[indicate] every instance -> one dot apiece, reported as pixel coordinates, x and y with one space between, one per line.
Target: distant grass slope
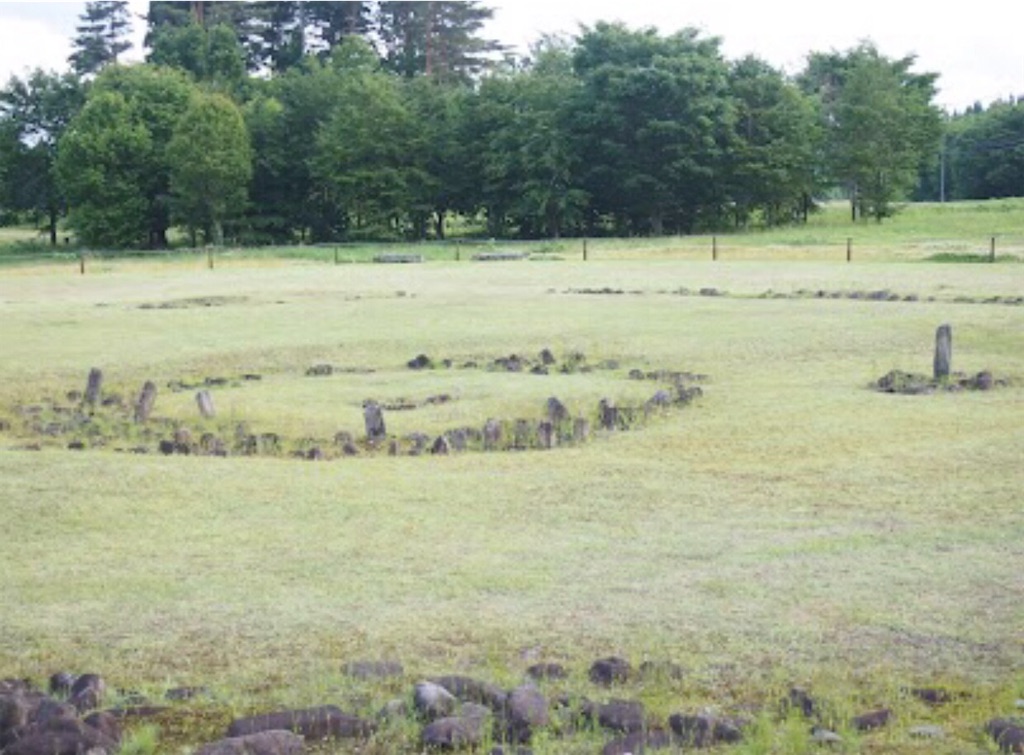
954 231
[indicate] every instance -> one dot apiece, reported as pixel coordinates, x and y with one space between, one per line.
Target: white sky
977 47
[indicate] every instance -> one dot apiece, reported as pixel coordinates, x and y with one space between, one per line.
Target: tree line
276 122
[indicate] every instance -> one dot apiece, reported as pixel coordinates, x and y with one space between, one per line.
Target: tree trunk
53 226
439 224
217 232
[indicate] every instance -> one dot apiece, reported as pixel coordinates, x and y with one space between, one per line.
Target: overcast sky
977 47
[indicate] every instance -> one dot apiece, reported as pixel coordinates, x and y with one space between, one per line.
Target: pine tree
331 22
437 39
102 36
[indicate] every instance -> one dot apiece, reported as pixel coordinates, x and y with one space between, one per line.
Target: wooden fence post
849 250
81 263
992 250
714 248
584 250
209 257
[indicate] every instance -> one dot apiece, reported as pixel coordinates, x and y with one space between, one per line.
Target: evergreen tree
331 22
437 39
102 36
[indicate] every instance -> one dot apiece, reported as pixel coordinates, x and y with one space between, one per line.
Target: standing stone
144 406
393 448
492 435
523 431
374 419
608 414
556 410
943 351
546 435
205 403
441 446
580 430
456 439
93 387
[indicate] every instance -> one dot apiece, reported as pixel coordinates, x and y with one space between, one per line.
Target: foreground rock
62 736
526 711
706 730
263 743
324 722
1008 734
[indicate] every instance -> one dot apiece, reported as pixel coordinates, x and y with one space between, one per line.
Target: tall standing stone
556 410
93 387
373 416
205 403
943 351
144 406
580 430
608 414
492 435
547 437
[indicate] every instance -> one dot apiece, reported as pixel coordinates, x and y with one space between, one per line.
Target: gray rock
875 719
261 743
526 711
1008 734
433 701
492 435
823 736
547 671
927 732
453 733
87 692
555 410
639 742
105 723
611 670
373 419
324 722
626 716
62 736
706 730
472 690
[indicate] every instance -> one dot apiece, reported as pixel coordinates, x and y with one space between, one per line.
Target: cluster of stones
452 712
556 427
943 378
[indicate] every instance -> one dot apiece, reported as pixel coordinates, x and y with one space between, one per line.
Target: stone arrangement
943 378
554 425
452 713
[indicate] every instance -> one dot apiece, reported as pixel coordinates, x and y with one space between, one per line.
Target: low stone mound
398 259
916 384
499 256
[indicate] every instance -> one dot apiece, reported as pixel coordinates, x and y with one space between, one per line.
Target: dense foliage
321 121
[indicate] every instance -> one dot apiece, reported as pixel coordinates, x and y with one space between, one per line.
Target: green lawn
791 525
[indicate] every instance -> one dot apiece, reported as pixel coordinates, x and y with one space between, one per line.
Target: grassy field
790 526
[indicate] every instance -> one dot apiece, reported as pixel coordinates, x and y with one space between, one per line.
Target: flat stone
825 737
262 743
875 719
433 701
927 732
62 736
547 671
324 722
373 669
